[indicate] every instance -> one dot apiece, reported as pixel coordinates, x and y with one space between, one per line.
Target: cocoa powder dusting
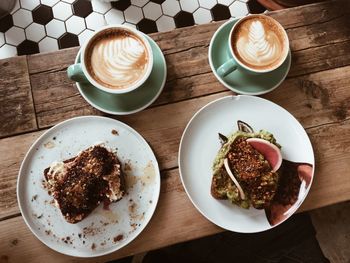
118 238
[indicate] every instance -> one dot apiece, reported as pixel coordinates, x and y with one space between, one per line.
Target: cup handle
75 73
226 68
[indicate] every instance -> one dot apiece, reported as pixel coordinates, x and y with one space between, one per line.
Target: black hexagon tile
220 12
48 25
121 4
82 8
42 14
183 19
27 47
157 1
255 7
147 26
6 23
68 40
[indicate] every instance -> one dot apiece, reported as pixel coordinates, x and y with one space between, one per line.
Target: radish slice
270 151
228 170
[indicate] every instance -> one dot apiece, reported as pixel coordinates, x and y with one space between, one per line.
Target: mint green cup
233 63
78 72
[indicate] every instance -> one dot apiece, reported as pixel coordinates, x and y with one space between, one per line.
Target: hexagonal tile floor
47 25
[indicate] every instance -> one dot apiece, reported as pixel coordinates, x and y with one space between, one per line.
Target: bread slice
252 171
78 185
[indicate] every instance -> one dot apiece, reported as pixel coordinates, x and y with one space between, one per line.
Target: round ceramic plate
104 230
134 101
241 81
200 144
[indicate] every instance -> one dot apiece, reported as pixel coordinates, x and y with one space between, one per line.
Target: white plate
200 144
103 231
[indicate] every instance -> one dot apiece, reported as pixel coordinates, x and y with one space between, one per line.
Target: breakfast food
245 170
259 42
117 58
80 184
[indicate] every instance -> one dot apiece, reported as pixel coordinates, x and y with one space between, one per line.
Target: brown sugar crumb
66 240
132 207
34 197
115 132
93 246
127 167
118 238
134 226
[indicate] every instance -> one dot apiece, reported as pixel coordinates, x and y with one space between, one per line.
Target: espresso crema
259 42
117 59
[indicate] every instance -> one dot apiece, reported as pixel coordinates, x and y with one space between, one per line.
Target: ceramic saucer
134 101
241 81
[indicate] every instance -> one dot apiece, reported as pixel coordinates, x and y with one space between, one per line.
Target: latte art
118 60
259 42
259 47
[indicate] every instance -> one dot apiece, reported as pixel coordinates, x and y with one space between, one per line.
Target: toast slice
78 185
251 170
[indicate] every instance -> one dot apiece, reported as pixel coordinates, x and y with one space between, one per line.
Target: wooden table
36 94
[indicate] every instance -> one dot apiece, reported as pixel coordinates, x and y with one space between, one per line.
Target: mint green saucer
241 81
134 101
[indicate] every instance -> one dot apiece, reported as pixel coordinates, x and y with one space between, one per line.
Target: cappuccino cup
257 44
116 59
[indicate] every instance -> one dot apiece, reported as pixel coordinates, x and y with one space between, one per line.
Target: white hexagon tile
47 25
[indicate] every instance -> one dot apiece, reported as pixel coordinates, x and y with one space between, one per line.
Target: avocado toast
241 173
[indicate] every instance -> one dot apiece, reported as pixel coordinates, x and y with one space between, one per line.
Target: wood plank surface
16 102
321 43
162 230
163 134
173 203
12 151
316 92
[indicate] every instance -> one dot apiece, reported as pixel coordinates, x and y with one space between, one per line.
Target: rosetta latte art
119 62
259 47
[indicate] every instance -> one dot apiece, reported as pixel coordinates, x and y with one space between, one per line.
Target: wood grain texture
163 229
12 151
16 102
173 203
316 99
164 133
316 92
154 124
318 38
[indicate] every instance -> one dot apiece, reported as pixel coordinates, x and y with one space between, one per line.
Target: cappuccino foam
117 59
259 42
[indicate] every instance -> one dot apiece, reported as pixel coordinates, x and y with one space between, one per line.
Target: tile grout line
32 7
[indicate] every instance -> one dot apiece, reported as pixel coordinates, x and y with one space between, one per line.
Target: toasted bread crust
92 177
